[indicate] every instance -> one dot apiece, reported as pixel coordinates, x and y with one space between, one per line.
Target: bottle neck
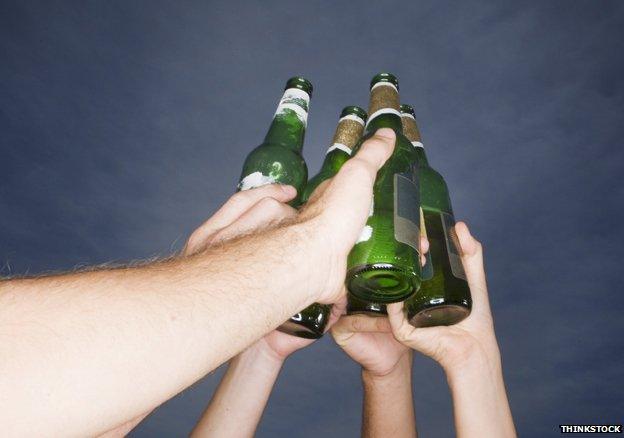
383 108
290 120
335 157
421 155
412 133
347 134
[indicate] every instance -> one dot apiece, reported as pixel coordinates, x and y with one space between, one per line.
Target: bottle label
385 84
339 146
418 144
294 100
452 245
407 210
427 269
352 117
381 112
253 180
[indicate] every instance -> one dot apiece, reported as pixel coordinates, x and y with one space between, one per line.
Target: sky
123 125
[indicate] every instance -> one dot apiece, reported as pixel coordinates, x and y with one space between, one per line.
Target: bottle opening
300 83
385 77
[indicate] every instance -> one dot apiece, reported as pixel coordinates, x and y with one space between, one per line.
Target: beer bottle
444 296
384 264
356 306
311 322
278 159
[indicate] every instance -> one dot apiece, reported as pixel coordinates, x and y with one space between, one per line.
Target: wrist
262 356
478 361
470 353
326 268
401 371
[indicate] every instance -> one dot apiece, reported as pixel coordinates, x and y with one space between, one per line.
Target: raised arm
82 351
468 353
388 408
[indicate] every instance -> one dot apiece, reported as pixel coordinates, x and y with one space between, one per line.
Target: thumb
472 260
346 201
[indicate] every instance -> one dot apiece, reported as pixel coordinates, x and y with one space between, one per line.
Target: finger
318 192
363 324
338 309
347 199
233 208
424 249
472 260
427 340
265 213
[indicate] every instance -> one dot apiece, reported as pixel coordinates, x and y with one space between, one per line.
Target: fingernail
386 133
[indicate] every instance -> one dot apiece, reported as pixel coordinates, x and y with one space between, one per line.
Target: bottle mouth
407 109
354 110
300 83
385 77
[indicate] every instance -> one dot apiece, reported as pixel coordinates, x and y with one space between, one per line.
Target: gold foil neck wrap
410 129
348 133
383 96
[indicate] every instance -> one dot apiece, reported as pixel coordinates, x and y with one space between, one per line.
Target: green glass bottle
311 322
444 296
278 159
384 264
355 306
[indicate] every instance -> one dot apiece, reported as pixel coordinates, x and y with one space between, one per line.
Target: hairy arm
80 351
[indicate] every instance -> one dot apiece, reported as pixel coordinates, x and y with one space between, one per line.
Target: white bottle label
340 146
295 100
366 234
382 111
352 117
418 144
253 180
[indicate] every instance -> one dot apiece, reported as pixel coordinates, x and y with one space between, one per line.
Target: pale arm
80 352
468 352
240 399
100 346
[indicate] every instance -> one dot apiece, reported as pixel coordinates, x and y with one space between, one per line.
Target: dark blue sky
124 124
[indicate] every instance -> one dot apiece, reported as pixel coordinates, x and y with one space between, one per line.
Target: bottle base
372 309
447 314
293 328
381 283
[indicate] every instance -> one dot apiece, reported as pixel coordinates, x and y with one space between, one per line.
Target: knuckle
359 169
270 205
240 198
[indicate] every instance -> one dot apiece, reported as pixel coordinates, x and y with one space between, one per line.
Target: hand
281 345
473 337
337 211
243 213
369 341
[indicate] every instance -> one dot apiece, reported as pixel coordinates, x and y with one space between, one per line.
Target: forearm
81 353
480 401
388 403
124 429
240 399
